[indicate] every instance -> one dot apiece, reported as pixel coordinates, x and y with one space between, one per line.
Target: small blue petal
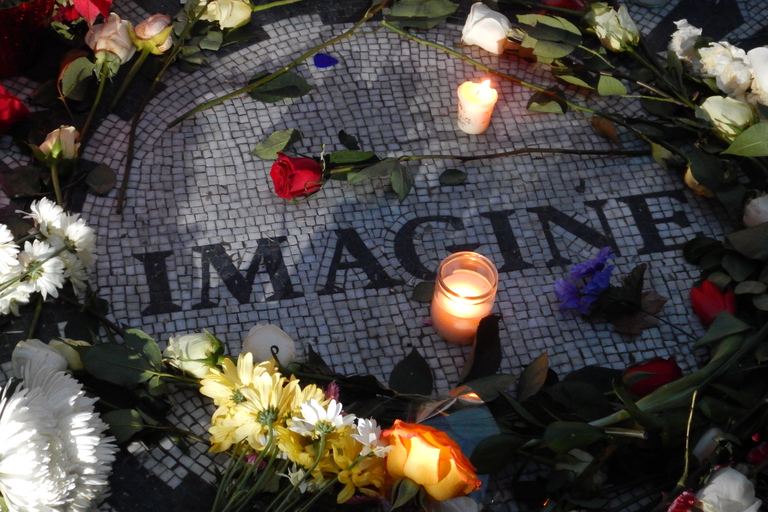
323 60
589 267
568 293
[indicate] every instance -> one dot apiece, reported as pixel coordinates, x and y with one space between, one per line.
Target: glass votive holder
465 289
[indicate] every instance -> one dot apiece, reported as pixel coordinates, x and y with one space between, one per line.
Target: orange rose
431 459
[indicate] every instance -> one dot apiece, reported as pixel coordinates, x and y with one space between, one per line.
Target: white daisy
13 295
8 251
46 274
80 238
75 271
319 420
47 215
297 477
369 435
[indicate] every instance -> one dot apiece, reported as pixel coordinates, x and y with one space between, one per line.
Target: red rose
575 5
11 110
758 455
295 177
660 372
708 301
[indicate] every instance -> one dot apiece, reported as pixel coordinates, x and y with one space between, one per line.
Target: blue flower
589 267
568 293
323 60
600 281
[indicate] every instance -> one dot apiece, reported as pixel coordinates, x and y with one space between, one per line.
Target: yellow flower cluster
260 407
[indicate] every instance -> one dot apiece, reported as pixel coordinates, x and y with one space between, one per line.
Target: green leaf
695 249
348 141
547 50
412 375
725 325
567 30
564 436
751 142
377 170
287 85
75 74
664 157
117 364
551 102
101 180
453 177
760 302
750 287
485 358
706 169
658 107
143 343
401 181
609 86
404 491
643 418
533 377
751 242
212 40
423 291
718 411
22 181
349 156
738 267
123 423
276 143
487 388
422 9
493 453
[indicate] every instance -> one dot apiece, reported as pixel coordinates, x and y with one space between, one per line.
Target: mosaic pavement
204 243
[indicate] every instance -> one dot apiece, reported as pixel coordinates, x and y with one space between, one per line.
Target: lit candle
465 289
476 102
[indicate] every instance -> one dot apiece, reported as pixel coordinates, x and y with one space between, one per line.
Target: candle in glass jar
476 102
465 290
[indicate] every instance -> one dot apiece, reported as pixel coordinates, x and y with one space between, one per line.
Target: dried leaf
635 323
606 129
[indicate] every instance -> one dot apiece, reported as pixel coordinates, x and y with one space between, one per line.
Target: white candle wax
476 102
456 315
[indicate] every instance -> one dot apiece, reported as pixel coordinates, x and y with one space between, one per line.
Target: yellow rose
61 143
431 459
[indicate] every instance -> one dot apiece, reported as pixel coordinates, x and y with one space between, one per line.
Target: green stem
33 267
35 317
56 185
526 150
129 77
264 7
102 82
549 8
232 464
258 83
675 327
170 58
687 455
95 313
282 498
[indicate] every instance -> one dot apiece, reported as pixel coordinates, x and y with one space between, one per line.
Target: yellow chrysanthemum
368 476
225 386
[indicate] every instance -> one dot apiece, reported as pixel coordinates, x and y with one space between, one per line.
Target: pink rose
296 177
112 36
154 33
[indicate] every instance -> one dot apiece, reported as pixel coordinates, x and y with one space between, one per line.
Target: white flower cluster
53 453
739 74
58 249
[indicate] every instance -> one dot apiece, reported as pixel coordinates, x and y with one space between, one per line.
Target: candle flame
484 90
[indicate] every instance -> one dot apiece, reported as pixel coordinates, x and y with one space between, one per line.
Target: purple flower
568 293
600 281
323 60
589 267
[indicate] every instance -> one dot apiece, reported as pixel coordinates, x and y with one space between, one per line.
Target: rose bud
295 177
756 211
193 353
61 144
486 28
431 459
229 13
729 116
615 29
708 302
12 109
153 34
659 372
112 36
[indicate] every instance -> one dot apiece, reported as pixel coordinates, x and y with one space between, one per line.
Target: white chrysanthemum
46 273
8 251
369 435
54 455
319 420
728 65
47 215
13 293
80 237
74 271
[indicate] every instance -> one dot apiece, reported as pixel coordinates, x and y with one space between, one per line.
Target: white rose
193 353
229 13
61 143
758 59
756 211
615 29
682 42
486 28
112 36
37 356
728 491
729 116
261 340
